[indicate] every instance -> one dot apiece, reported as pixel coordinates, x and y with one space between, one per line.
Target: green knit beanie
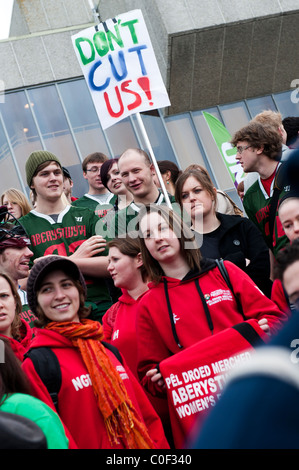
36 159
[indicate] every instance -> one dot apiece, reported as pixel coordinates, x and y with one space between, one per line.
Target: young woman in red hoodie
119 322
128 274
12 327
100 403
188 299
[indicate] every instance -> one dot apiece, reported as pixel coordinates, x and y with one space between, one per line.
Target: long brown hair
201 176
130 246
16 196
188 247
16 324
12 377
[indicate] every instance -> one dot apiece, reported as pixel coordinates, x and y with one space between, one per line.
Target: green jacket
257 206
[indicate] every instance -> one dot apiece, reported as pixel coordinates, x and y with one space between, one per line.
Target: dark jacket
239 239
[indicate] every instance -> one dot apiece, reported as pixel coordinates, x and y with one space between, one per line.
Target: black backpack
47 366
244 328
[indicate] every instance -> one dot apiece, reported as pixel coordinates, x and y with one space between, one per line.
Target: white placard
120 68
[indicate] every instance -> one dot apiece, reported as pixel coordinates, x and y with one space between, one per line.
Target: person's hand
90 247
36 260
156 376
263 324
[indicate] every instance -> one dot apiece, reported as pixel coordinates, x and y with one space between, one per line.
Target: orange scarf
120 417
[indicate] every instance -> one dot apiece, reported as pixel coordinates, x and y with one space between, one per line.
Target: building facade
232 59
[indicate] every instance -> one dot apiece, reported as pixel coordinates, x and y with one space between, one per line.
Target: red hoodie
119 324
21 347
155 334
77 405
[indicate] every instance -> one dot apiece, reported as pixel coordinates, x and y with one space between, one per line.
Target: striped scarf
120 417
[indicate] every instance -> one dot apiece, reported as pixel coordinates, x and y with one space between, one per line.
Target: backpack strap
222 268
224 273
48 368
249 333
113 349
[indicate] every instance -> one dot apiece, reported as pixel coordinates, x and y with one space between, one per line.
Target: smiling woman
111 179
106 396
58 297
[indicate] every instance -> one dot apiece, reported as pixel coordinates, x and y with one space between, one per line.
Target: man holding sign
137 173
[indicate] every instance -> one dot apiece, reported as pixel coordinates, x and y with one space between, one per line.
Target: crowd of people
106 298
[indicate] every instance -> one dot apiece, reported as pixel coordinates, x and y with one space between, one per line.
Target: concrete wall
217 51
209 51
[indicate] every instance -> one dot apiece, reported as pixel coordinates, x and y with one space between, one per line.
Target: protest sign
196 376
222 138
120 67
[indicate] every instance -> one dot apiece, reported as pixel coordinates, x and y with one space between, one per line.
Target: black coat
239 239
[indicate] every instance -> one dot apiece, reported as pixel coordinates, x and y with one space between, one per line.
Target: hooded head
40 270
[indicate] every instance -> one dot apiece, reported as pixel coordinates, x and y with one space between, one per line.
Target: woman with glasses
229 237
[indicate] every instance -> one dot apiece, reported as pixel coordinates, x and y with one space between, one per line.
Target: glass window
121 137
158 137
287 103
258 105
8 173
52 123
185 141
234 116
20 127
83 117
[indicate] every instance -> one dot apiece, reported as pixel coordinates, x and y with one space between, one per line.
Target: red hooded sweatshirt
119 324
77 405
21 347
190 321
